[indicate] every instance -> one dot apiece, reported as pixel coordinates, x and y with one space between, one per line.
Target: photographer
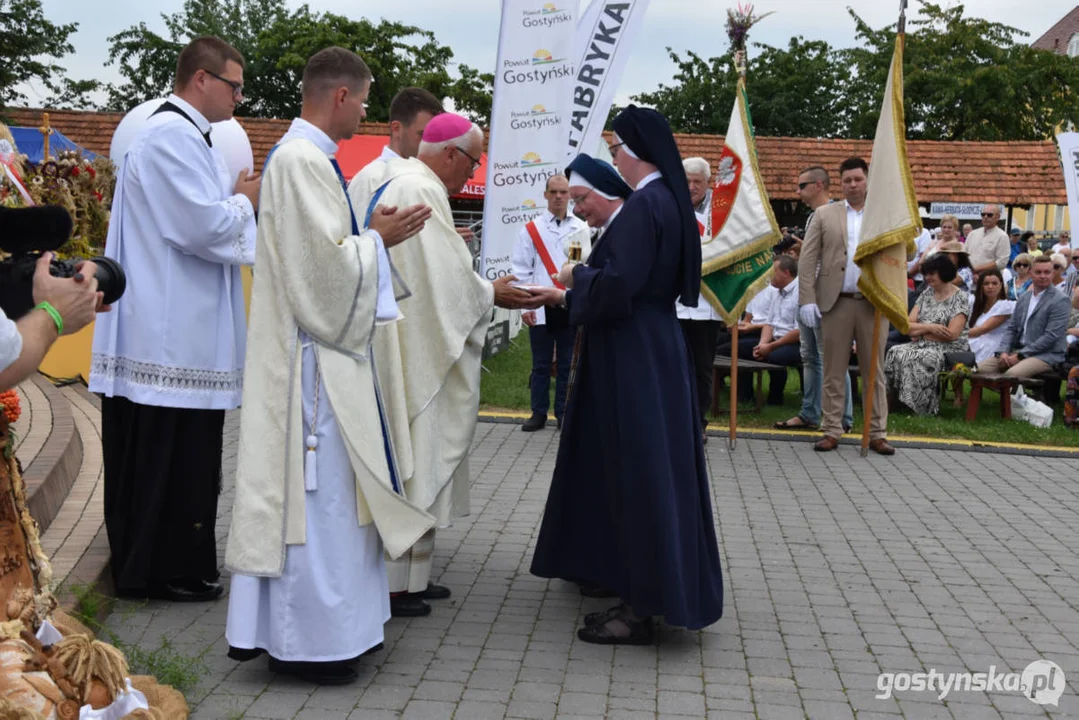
62 306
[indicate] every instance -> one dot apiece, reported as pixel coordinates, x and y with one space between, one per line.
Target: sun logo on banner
531 159
543 57
539 110
528 205
550 8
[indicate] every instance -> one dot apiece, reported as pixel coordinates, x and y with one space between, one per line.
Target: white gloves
809 315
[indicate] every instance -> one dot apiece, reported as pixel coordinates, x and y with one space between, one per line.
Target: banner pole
734 388
867 389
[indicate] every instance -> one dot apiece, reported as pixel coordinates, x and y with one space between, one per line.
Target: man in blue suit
1035 340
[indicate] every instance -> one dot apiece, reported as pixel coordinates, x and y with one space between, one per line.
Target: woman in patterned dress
938 325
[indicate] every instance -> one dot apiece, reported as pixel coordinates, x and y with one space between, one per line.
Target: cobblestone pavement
837 569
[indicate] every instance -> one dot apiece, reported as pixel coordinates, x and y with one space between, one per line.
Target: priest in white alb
410 111
317 493
429 361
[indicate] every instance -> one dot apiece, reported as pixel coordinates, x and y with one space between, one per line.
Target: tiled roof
1057 37
1013 173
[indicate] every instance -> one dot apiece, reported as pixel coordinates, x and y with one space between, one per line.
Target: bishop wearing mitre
429 361
318 497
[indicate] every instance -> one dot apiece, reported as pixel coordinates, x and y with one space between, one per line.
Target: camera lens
111 280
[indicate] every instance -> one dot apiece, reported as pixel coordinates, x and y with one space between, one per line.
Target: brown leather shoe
826 444
881 447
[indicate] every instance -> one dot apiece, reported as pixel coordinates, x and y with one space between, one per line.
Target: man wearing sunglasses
169 361
988 246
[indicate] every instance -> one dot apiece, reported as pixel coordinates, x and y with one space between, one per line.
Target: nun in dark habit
629 507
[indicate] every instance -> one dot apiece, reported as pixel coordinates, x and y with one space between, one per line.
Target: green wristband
54 314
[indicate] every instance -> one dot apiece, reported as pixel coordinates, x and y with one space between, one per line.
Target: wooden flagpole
869 385
734 388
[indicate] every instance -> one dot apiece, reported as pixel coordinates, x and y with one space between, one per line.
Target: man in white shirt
540 251
988 246
700 325
779 343
844 314
1035 338
169 360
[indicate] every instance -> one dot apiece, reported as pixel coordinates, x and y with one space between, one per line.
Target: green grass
168 665
505 387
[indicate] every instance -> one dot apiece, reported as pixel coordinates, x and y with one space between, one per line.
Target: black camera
25 233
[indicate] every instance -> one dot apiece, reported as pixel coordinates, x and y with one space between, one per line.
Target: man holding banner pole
843 311
540 252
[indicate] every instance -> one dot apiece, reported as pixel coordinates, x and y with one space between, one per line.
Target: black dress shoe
244 654
319 673
537 422
434 592
408 605
187 590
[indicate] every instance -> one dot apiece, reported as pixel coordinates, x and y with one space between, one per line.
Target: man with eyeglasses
428 362
813 184
988 247
169 360
540 251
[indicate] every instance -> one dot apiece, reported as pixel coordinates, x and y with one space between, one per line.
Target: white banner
1069 157
528 121
604 36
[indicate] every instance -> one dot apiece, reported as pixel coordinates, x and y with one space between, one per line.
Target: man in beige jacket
829 296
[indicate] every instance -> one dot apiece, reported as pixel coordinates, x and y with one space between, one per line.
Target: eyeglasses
614 148
1057 267
803 186
1019 265
237 88
989 214
578 200
475 162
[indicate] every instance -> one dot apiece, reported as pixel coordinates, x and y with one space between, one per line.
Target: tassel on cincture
310 466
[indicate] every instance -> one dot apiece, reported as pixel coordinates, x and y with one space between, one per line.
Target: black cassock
629 507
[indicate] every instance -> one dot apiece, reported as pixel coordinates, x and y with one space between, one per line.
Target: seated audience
937 326
1034 339
1020 281
989 313
779 341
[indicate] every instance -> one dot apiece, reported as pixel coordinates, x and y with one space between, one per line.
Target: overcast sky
470 27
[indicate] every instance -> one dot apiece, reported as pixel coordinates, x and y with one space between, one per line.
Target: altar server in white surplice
317 494
169 359
429 361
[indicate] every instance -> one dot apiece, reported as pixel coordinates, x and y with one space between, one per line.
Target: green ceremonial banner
736 262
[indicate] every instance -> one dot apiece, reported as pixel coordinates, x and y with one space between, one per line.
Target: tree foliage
29 43
966 78
276 44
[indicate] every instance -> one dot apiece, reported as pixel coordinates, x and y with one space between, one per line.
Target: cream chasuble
316 277
429 361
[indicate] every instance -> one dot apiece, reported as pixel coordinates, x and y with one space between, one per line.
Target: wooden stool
1003 384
